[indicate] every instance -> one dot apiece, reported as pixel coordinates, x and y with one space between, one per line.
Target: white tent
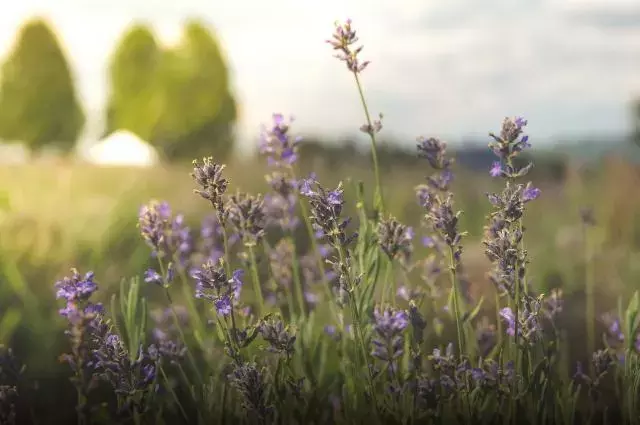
122 148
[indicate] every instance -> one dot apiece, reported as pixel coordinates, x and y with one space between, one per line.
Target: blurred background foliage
35 76
178 98
54 216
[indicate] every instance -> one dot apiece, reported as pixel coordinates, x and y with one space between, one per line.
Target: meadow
399 326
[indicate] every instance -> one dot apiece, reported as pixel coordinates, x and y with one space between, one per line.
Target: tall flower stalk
84 323
441 218
505 232
588 222
343 41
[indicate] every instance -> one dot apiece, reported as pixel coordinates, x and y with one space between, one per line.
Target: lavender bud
395 239
250 383
246 214
279 336
276 143
389 327
213 185
343 39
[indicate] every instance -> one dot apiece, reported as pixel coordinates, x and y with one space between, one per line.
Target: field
58 216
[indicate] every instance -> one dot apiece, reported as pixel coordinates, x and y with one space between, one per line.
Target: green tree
199 109
38 101
135 101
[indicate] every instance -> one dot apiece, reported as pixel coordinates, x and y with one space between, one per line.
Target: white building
121 148
14 153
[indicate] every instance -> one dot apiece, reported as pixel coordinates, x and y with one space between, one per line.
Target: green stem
174 395
387 285
589 294
358 331
456 292
257 288
379 201
297 281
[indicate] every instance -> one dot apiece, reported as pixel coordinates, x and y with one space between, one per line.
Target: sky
446 68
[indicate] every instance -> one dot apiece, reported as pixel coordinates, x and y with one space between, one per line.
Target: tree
135 101
178 99
199 109
38 102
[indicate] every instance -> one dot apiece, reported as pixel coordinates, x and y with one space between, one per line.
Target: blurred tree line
178 99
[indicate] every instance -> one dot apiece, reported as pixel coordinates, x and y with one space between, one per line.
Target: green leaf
472 315
631 319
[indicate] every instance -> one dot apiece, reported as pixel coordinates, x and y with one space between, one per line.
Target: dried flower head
281 338
246 213
343 40
250 382
395 239
212 184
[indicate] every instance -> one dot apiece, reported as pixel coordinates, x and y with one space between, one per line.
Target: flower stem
456 308
589 294
379 199
257 288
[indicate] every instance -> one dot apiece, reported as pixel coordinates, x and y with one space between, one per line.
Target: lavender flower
281 259
281 150
246 214
85 321
277 144
395 239
280 337
508 145
389 326
418 323
77 288
212 184
211 243
167 236
249 381
213 284
529 327
435 152
343 40
326 208
602 361
280 206
129 378
153 221
553 304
